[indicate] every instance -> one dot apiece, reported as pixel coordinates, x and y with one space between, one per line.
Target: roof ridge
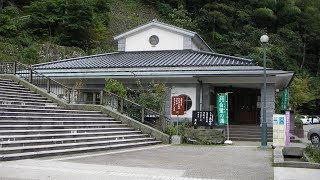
153 22
71 59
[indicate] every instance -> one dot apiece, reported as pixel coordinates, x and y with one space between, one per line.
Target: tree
264 17
115 87
300 91
70 22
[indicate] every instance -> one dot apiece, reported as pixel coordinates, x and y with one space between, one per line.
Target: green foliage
182 125
152 96
263 17
298 121
30 55
61 18
313 152
115 87
300 91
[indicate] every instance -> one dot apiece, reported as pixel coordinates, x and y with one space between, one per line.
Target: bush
313 152
298 121
172 129
115 87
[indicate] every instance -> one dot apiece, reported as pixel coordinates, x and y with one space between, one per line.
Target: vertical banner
287 142
285 100
222 108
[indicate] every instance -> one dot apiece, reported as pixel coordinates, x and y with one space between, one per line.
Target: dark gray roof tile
177 58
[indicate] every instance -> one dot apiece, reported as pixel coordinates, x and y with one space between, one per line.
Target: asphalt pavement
242 160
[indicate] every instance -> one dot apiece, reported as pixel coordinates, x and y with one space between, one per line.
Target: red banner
177 105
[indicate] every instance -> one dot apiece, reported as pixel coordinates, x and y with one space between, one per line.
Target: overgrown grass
313 152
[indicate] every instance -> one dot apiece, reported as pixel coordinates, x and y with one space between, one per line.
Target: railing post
68 96
48 85
101 97
30 75
142 114
94 94
121 105
14 67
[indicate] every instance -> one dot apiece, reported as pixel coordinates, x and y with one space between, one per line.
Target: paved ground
166 162
243 160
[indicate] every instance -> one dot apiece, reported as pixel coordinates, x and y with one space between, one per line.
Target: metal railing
135 111
76 96
29 74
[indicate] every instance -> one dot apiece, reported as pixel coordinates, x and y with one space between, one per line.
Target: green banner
222 108
285 100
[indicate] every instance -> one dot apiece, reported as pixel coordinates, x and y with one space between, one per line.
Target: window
187 102
154 40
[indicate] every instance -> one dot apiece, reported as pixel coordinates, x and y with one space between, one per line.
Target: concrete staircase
248 133
32 126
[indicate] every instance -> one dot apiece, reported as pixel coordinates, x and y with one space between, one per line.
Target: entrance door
246 107
242 105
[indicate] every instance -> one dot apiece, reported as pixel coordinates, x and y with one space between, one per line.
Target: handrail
75 95
135 111
28 73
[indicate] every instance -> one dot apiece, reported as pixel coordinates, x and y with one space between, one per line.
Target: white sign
279 130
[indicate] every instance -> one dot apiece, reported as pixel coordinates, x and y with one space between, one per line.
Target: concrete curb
278 158
158 135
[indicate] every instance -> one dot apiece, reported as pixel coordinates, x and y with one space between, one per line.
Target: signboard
203 118
177 105
222 108
285 99
279 129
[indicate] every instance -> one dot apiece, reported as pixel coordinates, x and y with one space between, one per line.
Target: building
185 63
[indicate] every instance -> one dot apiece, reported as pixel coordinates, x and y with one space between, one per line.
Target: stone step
62 135
59 131
58 118
249 139
248 132
248 128
249 135
32 126
11 84
57 126
22 96
19 106
62 122
15 90
6 80
41 100
45 110
5 144
23 149
49 114
26 93
25 155
26 103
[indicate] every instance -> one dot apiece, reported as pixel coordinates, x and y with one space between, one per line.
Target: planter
204 136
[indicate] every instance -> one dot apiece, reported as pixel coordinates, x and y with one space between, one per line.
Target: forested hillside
34 31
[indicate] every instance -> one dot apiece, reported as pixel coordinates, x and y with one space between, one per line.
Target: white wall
195 47
189 91
167 41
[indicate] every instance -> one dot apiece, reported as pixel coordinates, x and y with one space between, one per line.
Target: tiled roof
178 58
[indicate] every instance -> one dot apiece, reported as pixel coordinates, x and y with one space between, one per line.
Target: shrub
115 87
298 121
313 153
